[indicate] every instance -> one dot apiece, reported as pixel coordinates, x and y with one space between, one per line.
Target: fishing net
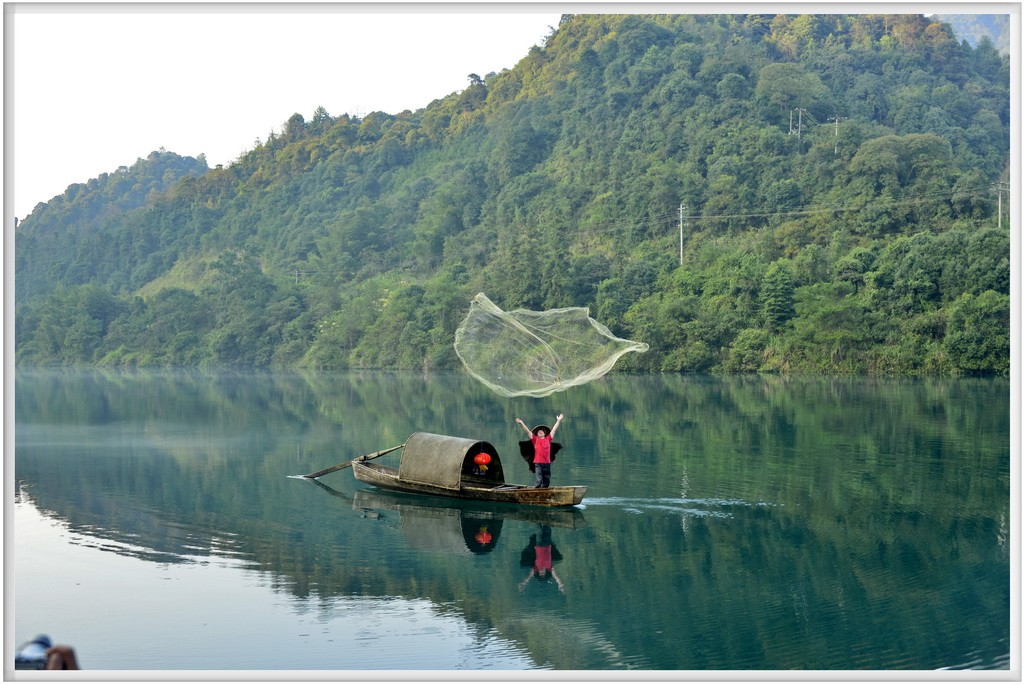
523 352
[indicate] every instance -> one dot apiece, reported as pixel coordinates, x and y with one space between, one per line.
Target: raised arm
558 581
558 420
520 422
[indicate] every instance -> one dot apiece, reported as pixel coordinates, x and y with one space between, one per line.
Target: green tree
746 354
852 267
783 86
777 296
978 334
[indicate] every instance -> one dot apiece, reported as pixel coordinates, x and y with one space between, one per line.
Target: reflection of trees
838 498
752 425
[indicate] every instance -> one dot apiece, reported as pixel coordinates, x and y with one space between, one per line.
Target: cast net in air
524 352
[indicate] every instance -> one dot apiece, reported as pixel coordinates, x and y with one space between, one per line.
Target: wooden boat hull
419 504
387 477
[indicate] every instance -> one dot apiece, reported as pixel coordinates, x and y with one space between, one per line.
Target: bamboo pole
346 464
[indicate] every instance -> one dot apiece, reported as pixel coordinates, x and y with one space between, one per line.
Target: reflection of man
540 555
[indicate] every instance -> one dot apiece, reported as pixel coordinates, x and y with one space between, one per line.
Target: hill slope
832 177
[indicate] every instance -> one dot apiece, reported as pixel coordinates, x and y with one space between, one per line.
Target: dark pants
543 475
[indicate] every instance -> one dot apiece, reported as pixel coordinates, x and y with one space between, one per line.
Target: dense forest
744 193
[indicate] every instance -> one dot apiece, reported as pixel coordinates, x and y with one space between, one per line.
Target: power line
620 227
915 199
623 226
299 272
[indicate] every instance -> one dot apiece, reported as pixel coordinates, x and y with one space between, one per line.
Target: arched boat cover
442 460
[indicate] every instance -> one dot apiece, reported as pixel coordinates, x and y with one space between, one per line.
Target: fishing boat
448 466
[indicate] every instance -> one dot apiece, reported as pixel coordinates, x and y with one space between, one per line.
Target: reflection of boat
459 467
436 528
379 500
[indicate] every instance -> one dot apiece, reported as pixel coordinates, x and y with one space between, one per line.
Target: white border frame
1011 675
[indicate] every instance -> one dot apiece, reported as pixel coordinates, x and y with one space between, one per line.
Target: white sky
93 91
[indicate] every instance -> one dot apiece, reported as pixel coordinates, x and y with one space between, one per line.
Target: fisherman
541 438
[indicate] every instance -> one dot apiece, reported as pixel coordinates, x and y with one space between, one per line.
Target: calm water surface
730 524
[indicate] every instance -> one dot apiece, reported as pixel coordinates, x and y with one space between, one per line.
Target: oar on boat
346 464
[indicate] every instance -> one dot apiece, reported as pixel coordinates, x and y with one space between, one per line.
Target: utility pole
1001 184
681 208
1000 187
799 126
836 118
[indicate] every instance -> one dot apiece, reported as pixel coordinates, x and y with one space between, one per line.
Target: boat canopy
443 461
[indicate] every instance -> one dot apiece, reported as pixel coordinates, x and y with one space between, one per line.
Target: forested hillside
834 179
49 250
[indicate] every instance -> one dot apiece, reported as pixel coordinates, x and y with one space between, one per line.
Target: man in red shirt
541 440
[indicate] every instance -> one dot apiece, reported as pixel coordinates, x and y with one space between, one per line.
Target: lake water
730 524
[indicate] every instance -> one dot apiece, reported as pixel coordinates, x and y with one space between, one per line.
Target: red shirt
543 562
541 449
